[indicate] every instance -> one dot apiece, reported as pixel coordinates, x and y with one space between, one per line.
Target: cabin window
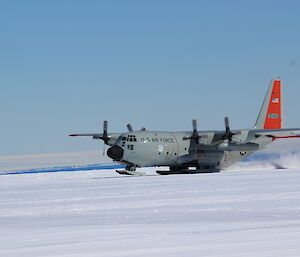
130 147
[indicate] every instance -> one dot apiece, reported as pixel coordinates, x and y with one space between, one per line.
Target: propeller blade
195 134
129 127
105 137
226 119
103 153
194 122
228 134
105 128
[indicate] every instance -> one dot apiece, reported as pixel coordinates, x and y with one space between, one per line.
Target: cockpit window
123 138
131 138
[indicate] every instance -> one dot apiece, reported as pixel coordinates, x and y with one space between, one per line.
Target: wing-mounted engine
236 140
108 138
227 140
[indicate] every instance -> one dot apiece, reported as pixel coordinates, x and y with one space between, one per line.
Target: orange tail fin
270 116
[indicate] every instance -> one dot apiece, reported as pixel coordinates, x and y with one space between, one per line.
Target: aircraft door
171 149
167 148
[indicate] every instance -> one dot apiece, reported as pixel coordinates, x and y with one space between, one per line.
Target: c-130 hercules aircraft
197 151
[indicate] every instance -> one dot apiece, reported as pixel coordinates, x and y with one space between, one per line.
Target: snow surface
100 213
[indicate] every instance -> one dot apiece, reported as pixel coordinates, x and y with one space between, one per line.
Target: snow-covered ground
100 213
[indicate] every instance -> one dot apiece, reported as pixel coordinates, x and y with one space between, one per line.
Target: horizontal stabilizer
278 133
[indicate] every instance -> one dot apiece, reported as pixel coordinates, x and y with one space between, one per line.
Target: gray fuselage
146 148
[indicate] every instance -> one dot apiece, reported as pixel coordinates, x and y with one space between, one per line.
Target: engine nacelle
237 147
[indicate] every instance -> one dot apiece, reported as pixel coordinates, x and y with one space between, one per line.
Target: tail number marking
273 115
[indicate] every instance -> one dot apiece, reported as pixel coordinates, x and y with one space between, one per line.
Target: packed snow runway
100 213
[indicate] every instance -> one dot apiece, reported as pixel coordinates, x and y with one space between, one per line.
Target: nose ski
131 173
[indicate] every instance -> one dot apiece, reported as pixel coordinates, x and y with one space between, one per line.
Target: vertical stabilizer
270 115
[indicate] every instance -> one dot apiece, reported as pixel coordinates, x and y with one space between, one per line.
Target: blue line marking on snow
104 166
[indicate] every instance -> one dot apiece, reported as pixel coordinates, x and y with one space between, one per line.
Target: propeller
129 127
104 136
195 136
228 134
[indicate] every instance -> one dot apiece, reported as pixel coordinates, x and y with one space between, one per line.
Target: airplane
197 151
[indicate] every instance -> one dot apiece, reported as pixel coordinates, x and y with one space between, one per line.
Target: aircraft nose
115 152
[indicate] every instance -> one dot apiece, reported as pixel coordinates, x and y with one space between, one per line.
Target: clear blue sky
67 65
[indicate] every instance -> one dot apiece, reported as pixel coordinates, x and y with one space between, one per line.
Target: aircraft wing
108 139
277 133
87 135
